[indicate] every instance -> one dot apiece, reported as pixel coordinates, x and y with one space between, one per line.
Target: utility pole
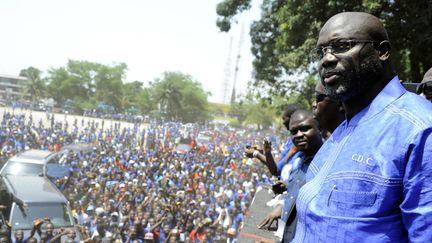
227 74
240 44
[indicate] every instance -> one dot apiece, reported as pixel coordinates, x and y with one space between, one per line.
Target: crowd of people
357 168
132 184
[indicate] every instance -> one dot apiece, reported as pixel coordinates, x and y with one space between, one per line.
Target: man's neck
354 106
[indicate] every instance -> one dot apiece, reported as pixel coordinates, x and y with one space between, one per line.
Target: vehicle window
18 168
57 212
53 160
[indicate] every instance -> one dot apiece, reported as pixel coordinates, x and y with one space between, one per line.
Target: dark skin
305 132
329 113
307 138
265 155
338 72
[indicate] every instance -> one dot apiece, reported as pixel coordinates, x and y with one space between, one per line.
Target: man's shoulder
414 109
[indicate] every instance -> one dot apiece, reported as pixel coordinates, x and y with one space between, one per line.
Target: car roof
33 189
33 156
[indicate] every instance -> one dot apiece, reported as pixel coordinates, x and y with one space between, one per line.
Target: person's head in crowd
166 229
286 114
4 234
305 132
19 236
149 237
43 237
49 229
31 240
71 234
132 233
353 51
329 113
425 87
97 239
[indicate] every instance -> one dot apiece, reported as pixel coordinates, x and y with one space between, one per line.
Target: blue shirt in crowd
371 181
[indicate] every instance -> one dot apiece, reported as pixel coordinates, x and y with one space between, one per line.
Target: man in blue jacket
371 180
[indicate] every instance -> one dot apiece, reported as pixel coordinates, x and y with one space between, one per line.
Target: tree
238 110
73 82
87 83
179 97
259 114
36 85
109 85
288 30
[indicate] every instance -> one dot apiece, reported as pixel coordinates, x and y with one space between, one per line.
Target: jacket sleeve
416 206
18 201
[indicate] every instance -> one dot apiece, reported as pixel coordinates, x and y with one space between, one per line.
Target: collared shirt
371 180
285 149
296 180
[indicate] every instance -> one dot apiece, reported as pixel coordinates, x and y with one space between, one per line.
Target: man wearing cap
425 87
370 181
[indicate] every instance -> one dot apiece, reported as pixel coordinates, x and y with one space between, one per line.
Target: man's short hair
290 109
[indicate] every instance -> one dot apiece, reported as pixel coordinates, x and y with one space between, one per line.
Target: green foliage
36 86
234 123
260 114
217 109
249 111
227 9
180 97
238 110
288 30
89 85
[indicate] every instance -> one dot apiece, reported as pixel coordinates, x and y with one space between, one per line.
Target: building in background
12 87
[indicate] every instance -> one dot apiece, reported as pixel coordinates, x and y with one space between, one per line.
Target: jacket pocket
353 197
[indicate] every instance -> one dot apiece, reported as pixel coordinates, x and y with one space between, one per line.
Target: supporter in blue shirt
370 181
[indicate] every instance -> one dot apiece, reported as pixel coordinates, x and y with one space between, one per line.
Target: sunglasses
425 88
336 47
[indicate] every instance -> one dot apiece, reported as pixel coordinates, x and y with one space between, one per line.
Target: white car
30 163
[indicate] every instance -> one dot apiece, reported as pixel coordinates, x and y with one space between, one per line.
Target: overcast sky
149 36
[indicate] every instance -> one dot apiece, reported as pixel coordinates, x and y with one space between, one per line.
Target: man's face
347 74
49 228
286 121
324 109
166 229
71 234
132 232
305 134
19 235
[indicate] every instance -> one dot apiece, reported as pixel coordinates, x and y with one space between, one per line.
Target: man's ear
384 50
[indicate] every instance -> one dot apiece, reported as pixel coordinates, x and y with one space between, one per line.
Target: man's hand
271 217
266 146
37 222
279 187
249 152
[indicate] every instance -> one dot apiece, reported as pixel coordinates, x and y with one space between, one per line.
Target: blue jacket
371 181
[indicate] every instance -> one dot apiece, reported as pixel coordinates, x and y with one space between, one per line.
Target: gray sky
149 36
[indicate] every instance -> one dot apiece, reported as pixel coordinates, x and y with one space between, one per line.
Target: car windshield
57 212
19 168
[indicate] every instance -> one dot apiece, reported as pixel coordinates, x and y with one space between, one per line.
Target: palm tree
36 86
169 97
